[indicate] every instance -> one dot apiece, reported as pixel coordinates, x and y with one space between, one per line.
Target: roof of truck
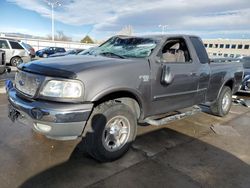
159 36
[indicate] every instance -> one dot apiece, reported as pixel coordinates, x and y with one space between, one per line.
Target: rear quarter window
16 45
4 44
61 50
200 49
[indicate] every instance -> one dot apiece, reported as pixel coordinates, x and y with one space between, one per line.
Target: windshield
246 62
70 52
124 47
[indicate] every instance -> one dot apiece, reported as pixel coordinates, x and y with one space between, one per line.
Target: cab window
176 51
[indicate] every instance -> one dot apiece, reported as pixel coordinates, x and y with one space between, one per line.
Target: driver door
175 79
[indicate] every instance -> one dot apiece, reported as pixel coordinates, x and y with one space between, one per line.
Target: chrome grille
27 83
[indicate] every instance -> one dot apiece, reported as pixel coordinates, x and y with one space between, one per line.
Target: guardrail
38 44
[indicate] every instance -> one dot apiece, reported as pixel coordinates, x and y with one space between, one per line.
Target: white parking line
2 90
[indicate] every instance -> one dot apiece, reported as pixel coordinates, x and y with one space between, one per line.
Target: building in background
227 47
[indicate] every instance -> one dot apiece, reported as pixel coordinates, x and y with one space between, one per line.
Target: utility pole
53 4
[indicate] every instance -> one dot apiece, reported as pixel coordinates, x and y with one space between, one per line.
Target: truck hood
247 71
68 66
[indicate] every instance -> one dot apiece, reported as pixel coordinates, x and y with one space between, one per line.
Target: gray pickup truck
102 96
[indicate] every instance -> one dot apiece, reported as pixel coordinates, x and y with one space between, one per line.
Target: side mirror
166 76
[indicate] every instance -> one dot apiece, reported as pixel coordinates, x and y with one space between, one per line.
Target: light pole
53 4
163 28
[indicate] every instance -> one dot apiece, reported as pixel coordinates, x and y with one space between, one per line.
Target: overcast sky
99 18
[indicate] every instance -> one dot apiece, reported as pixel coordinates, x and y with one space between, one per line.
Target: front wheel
2 69
222 105
112 129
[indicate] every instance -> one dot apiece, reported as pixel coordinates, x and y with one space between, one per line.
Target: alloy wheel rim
226 102
15 61
116 133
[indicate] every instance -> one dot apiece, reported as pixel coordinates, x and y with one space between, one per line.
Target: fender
224 83
109 91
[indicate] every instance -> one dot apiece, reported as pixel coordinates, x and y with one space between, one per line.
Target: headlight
62 89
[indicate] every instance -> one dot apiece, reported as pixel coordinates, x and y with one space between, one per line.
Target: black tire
2 69
15 61
94 142
219 108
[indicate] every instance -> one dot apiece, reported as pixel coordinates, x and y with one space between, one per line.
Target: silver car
15 52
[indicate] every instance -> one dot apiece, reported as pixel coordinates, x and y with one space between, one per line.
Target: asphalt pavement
192 152
7 76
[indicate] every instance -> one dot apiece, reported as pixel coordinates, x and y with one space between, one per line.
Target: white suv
15 52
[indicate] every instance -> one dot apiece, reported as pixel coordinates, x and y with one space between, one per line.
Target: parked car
246 81
15 52
69 52
2 62
49 51
101 98
88 51
224 59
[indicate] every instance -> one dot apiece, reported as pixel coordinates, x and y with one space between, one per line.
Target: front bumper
58 121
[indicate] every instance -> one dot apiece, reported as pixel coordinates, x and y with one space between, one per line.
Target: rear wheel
112 129
222 105
45 55
15 61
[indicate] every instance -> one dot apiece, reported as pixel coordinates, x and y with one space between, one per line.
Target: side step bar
178 116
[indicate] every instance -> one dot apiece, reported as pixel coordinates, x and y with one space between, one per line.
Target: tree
87 39
60 36
127 30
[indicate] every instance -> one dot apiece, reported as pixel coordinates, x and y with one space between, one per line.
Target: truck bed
220 72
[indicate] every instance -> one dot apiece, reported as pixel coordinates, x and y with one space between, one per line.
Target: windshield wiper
111 54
